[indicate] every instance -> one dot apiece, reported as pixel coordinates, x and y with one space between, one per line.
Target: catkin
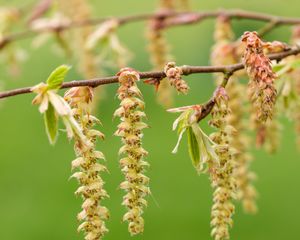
185 5
246 192
293 87
131 113
262 91
93 214
261 86
222 173
167 4
159 51
175 4
79 10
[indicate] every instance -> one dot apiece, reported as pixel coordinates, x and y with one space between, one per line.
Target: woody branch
174 19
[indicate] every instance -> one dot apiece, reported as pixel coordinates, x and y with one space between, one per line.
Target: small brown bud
79 95
174 73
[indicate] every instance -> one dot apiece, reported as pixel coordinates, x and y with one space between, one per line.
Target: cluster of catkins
232 177
93 214
133 166
226 152
225 53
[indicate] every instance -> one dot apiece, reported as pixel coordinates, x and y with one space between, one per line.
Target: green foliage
206 147
57 77
53 106
193 147
201 148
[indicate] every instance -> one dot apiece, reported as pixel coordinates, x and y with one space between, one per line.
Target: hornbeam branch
187 70
174 18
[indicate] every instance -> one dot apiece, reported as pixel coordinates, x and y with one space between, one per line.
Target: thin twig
175 18
208 106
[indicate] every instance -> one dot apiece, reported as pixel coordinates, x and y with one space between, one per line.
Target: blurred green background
37 200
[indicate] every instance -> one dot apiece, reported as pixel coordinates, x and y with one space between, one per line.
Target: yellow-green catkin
222 51
292 87
159 50
246 191
222 173
11 55
297 127
268 135
224 54
185 5
131 113
167 4
175 4
80 10
93 214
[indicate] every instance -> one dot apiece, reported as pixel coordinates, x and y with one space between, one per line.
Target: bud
174 73
79 95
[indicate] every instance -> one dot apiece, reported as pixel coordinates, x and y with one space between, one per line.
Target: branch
180 18
208 106
187 70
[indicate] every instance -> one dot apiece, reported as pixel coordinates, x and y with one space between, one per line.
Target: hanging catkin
131 113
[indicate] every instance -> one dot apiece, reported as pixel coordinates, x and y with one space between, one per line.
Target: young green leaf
57 77
51 123
181 123
60 105
193 147
209 146
203 154
179 140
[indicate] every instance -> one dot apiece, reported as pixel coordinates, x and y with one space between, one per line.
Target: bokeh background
36 198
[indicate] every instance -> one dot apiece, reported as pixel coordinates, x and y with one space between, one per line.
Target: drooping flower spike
131 113
261 84
159 50
93 214
222 175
